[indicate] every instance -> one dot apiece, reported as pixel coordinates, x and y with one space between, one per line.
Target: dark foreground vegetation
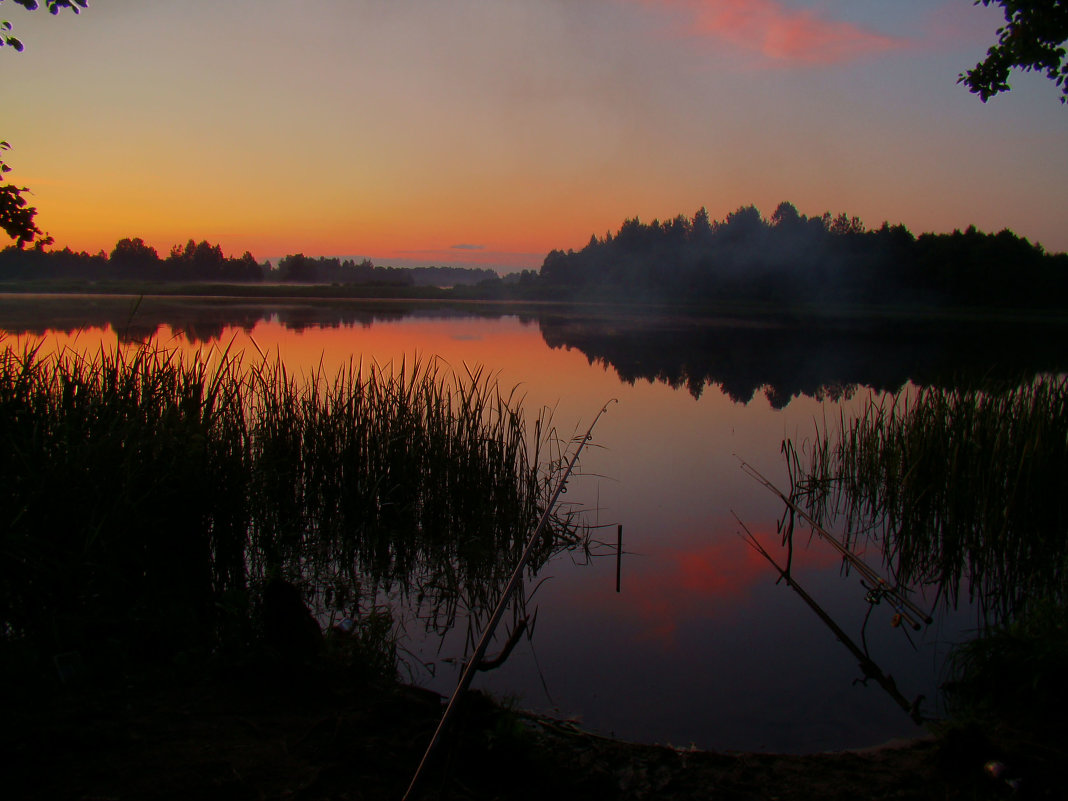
148 500
325 735
966 490
168 522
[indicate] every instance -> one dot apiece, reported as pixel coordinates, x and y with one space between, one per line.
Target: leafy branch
16 214
1033 38
53 6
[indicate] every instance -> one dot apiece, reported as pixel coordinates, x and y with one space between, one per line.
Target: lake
700 646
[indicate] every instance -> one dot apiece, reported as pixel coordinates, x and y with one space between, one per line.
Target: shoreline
321 734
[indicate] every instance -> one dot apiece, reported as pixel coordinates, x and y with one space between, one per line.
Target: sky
488 132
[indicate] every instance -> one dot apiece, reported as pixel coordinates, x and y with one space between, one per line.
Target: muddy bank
327 736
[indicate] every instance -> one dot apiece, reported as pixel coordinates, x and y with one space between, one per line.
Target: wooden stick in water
619 554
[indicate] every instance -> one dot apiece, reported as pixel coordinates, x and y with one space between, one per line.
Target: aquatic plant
120 510
1013 675
963 489
146 496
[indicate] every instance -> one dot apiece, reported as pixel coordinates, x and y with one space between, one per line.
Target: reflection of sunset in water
700 575
701 644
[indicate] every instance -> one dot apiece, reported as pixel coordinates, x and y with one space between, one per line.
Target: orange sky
489 133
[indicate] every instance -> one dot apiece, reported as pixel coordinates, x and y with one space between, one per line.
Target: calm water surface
700 646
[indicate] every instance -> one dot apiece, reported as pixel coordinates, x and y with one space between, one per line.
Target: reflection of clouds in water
705 574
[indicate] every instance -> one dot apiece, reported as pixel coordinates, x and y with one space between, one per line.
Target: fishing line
480 651
903 605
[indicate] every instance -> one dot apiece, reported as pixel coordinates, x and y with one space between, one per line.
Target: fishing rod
480 650
900 603
867 665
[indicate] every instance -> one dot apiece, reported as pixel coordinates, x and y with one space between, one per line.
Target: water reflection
868 667
201 320
787 358
700 646
781 357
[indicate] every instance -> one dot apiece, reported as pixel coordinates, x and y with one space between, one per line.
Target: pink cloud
777 31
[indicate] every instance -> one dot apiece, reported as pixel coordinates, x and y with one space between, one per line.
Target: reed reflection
962 490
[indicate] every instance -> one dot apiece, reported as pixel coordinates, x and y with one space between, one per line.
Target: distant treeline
133 260
786 260
792 258
304 269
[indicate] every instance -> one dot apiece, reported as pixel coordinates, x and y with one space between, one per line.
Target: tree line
785 260
299 268
790 258
133 260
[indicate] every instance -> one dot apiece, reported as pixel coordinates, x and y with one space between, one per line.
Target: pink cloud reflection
778 32
706 579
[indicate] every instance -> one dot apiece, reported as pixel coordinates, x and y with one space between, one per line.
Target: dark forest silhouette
790 259
787 261
133 260
323 270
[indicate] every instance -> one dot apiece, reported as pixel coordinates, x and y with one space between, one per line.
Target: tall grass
144 494
1013 677
967 490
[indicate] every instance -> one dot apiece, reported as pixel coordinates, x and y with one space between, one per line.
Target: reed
145 495
963 489
1012 677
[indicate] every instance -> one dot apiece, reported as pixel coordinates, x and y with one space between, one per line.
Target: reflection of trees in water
199 321
302 318
785 359
781 357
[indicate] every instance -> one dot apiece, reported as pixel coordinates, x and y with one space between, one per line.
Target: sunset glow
488 134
